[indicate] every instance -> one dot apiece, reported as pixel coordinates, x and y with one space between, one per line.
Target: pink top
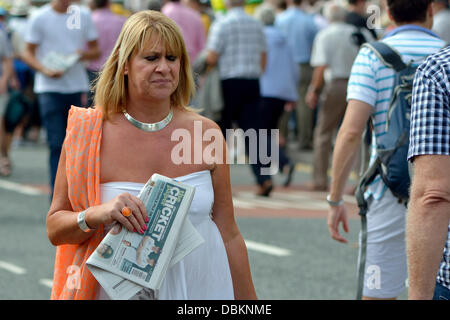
108 26
191 26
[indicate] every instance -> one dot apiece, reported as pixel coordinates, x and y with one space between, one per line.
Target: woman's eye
151 58
171 58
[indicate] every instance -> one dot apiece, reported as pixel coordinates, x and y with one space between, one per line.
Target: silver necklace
149 127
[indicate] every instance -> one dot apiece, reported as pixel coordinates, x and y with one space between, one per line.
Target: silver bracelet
82 222
334 203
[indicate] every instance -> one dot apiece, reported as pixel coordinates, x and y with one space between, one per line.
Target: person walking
369 93
333 52
300 30
29 127
7 77
236 43
140 103
428 229
108 25
55 35
277 95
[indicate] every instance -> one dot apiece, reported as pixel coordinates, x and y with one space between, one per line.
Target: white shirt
333 47
63 33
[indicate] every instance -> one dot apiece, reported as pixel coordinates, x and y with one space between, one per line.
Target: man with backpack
379 74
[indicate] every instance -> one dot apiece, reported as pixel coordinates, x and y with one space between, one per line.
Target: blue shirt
300 30
430 124
281 75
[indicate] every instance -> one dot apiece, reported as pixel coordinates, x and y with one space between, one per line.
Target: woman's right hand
111 211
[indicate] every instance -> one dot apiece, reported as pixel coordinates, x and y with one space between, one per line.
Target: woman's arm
62 225
223 216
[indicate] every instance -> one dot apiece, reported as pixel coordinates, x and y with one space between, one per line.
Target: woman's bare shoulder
190 118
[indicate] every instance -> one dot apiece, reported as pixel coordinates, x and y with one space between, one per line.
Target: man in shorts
368 95
7 76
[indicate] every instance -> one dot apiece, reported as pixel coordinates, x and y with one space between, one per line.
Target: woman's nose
163 66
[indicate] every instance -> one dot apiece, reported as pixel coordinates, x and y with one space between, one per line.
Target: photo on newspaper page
144 259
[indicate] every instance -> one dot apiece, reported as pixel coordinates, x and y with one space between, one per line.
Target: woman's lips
161 81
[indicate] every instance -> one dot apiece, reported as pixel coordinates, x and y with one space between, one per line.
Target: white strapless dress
204 274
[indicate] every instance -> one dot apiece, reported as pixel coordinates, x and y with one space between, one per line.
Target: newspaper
60 62
127 262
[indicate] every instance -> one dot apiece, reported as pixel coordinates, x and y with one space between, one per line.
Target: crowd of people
324 73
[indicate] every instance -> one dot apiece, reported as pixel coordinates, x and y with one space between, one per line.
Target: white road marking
12 267
238 203
20 188
271 203
46 282
279 201
266 248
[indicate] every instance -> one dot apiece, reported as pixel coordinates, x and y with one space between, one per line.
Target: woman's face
153 73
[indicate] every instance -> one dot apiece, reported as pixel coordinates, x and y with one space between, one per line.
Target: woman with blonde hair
111 150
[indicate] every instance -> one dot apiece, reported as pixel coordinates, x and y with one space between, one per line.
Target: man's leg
305 115
54 109
330 114
4 98
5 165
229 100
270 112
248 121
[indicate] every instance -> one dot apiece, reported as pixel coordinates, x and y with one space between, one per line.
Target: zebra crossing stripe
20 188
268 249
46 282
12 268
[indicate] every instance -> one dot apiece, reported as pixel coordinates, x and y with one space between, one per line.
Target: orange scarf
72 280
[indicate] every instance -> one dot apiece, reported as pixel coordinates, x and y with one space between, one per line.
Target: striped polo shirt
372 82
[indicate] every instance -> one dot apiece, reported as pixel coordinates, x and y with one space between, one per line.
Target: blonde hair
111 84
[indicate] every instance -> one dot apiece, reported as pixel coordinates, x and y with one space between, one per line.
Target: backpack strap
388 55
363 205
362 258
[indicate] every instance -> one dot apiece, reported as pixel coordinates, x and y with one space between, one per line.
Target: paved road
291 254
